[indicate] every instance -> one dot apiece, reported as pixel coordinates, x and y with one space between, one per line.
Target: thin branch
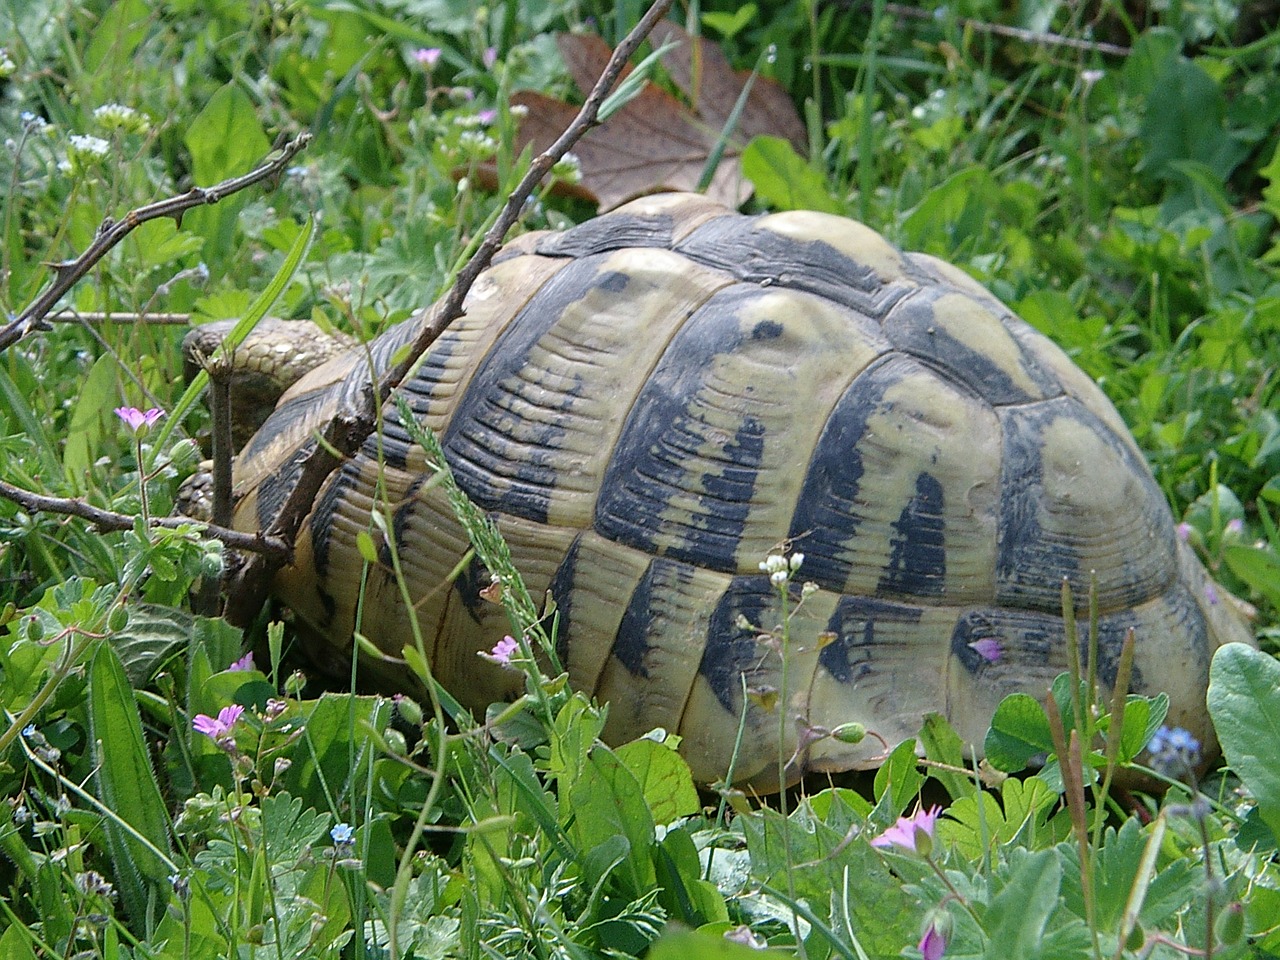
111 232
346 432
1035 37
98 316
257 543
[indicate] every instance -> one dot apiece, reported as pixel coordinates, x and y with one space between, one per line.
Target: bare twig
111 232
97 316
1036 37
343 435
257 543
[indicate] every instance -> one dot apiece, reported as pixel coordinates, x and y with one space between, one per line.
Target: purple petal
932 944
988 648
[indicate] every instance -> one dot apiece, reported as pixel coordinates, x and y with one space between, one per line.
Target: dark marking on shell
615 281
850 656
631 643
327 506
762 256
1027 639
731 650
327 603
1027 568
500 457
918 556
561 589
766 330
275 487
911 328
825 519
473 578
649 468
615 232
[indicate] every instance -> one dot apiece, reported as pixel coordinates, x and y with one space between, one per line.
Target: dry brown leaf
656 142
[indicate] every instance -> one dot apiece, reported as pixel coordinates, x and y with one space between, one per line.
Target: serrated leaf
1244 702
288 831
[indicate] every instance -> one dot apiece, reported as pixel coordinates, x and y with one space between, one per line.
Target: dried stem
1037 37
111 232
258 543
347 431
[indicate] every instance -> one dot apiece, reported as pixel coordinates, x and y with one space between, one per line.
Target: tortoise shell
652 402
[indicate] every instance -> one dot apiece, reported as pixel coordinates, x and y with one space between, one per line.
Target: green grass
1125 204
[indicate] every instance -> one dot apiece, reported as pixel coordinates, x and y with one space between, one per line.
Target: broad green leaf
783 178
1271 192
664 778
692 945
1019 731
15 944
225 138
942 744
95 400
328 756
728 24
1244 702
1259 567
1186 122
607 803
152 635
117 36
898 781
683 893
126 783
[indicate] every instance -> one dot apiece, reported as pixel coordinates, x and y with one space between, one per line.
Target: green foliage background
1119 190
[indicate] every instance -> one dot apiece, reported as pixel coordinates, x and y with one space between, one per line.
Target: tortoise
651 403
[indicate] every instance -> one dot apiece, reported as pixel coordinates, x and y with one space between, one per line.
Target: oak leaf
658 142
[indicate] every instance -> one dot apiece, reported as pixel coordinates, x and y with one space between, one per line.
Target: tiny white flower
519 110
116 116
568 168
778 577
7 66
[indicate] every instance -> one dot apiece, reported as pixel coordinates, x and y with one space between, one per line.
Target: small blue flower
29 730
1174 751
343 834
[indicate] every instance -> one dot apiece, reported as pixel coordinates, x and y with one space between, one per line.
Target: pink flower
490 57
244 663
136 420
933 944
988 648
907 831
501 654
487 116
428 56
220 725
1184 532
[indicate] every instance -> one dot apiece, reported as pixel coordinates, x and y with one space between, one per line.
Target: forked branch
347 431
